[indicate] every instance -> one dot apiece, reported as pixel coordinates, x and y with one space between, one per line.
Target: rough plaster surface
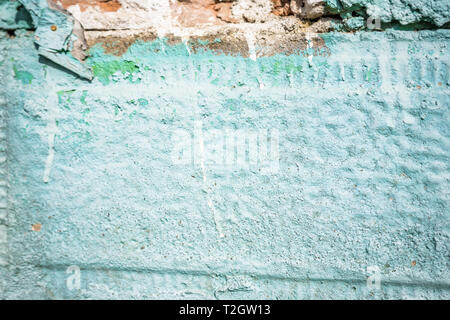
310 9
362 177
436 12
89 179
140 14
252 10
12 16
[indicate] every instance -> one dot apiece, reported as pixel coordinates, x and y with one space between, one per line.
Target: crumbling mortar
286 20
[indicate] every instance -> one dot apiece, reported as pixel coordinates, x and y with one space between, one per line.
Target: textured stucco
363 177
436 12
13 16
92 180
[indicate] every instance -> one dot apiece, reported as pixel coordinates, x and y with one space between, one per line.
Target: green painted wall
140 190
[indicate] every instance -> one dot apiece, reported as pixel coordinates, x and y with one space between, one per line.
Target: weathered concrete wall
132 186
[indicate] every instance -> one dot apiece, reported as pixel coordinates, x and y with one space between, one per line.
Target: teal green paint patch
276 68
132 114
24 76
143 102
354 23
64 98
293 68
105 69
369 74
83 97
203 42
81 121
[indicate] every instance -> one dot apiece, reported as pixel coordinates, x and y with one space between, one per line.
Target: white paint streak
51 128
50 157
309 44
342 71
250 37
199 133
261 84
290 76
186 45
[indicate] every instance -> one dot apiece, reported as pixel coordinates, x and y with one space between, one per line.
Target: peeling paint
24 76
